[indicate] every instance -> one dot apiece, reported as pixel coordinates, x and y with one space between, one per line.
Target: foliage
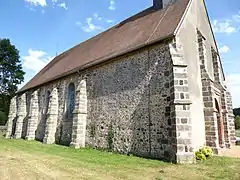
3 118
204 153
237 122
11 73
238 133
200 156
236 112
207 151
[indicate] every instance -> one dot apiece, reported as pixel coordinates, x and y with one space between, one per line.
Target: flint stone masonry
129 96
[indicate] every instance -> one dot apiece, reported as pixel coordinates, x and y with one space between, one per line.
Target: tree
237 122
11 73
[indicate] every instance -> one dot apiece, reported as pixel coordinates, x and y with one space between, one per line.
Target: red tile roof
137 31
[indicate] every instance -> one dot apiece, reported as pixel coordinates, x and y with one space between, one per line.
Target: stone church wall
129 99
128 104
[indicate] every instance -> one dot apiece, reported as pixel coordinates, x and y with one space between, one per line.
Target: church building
152 86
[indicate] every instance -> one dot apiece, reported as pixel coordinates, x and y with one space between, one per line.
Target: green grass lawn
22 160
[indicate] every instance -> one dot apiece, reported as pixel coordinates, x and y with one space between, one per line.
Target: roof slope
139 30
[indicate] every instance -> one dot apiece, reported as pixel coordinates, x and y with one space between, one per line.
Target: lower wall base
185 158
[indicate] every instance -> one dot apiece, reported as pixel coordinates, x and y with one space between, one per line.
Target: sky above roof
42 29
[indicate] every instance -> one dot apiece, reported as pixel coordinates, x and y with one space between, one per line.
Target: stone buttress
11 117
33 116
180 108
52 118
230 119
217 106
21 115
80 116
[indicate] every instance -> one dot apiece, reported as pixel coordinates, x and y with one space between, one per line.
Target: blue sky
42 28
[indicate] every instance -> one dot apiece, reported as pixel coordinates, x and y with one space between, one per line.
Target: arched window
70 101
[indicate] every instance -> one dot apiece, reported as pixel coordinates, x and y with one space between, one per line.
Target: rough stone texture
208 98
3 130
11 117
80 116
214 95
128 104
52 115
226 119
232 132
21 116
180 109
33 116
43 105
216 66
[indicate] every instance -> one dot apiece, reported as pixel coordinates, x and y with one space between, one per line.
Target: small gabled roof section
142 29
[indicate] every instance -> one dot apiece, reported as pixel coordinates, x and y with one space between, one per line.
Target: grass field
238 133
22 160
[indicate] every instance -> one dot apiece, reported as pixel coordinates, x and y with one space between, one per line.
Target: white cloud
233 81
89 27
223 27
37 2
109 20
36 60
112 5
63 5
99 18
236 17
224 49
96 16
43 4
